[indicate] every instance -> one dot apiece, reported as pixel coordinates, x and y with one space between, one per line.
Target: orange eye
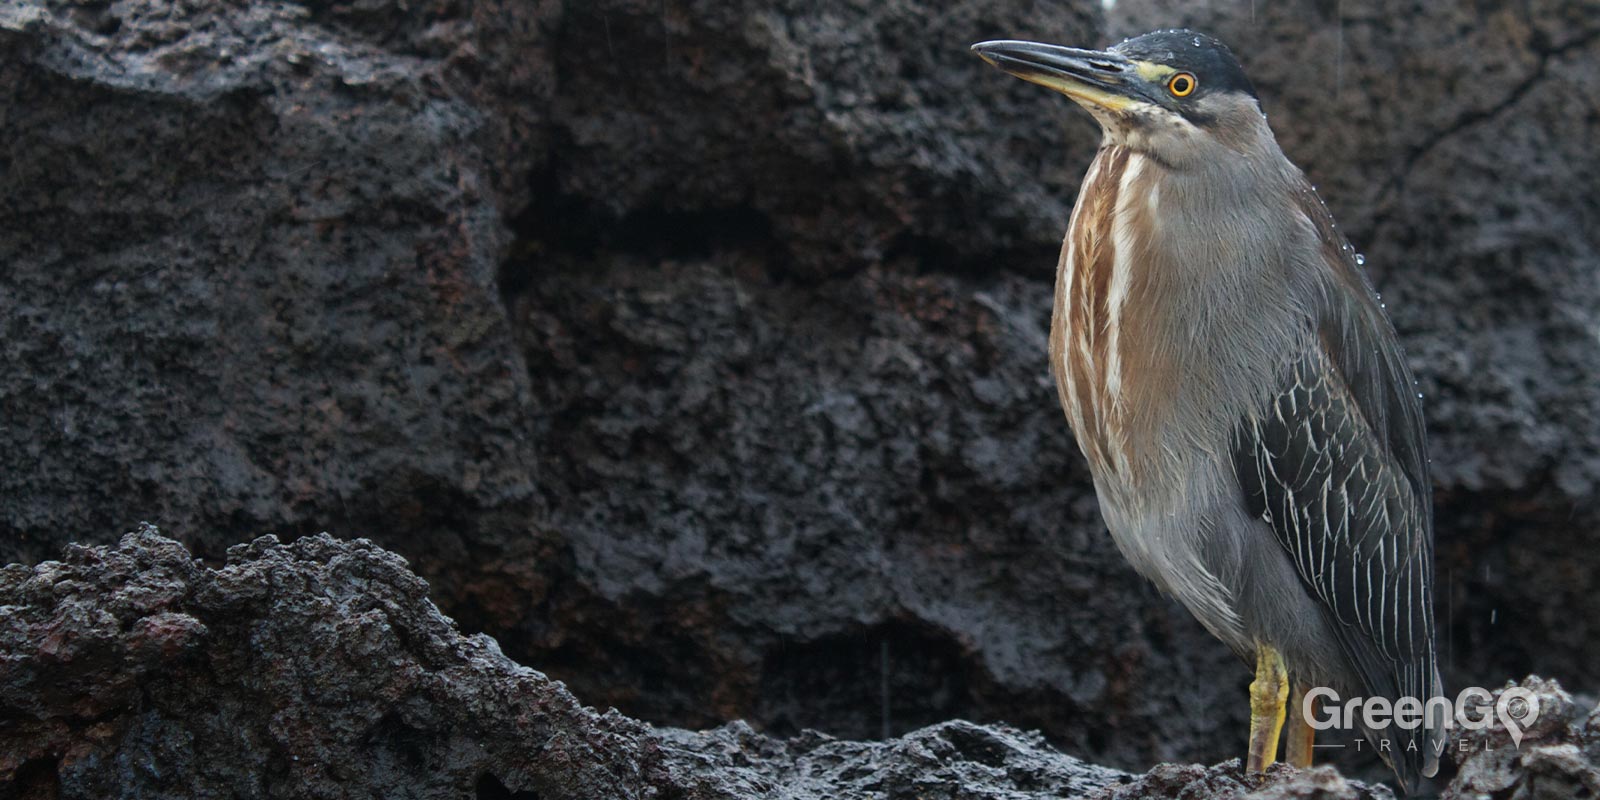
1182 84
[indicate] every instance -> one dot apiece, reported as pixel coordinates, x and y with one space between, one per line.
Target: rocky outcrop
250 273
1227 780
321 669
694 349
1555 756
316 669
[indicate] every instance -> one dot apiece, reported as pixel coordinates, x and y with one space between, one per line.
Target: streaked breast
1088 348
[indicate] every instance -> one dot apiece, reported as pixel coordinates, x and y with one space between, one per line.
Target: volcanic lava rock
314 669
1228 781
948 761
320 669
824 547
250 272
1557 754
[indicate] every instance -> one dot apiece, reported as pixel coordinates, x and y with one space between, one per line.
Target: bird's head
1172 93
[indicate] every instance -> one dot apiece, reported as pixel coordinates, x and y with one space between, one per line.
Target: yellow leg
1301 735
1269 693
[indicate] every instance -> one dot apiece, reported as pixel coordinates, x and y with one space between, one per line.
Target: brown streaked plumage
1081 320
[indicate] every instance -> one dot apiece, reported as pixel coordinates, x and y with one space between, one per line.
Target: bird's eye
1182 84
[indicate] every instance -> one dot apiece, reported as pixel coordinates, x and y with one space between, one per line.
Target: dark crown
1205 56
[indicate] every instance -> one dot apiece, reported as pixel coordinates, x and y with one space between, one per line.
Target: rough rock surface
694 349
948 761
320 669
1227 780
250 272
949 565
316 669
1556 758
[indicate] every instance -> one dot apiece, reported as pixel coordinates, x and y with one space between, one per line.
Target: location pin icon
1518 709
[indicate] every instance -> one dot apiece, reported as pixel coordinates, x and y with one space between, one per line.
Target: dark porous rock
828 135
250 273
1556 757
948 761
882 529
313 669
1228 781
321 669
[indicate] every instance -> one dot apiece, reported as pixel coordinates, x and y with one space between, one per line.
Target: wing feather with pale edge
1336 464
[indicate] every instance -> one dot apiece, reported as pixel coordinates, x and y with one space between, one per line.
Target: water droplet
1196 41
1419 395
1361 260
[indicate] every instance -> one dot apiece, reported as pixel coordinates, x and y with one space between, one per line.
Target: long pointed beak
1099 77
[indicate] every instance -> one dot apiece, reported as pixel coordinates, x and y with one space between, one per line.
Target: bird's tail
1414 753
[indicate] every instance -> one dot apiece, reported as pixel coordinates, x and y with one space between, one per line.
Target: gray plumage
1254 433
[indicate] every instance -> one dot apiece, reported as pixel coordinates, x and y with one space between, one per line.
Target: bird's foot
1269 694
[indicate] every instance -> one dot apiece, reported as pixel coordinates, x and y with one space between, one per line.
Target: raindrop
1494 615
1361 260
1196 41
